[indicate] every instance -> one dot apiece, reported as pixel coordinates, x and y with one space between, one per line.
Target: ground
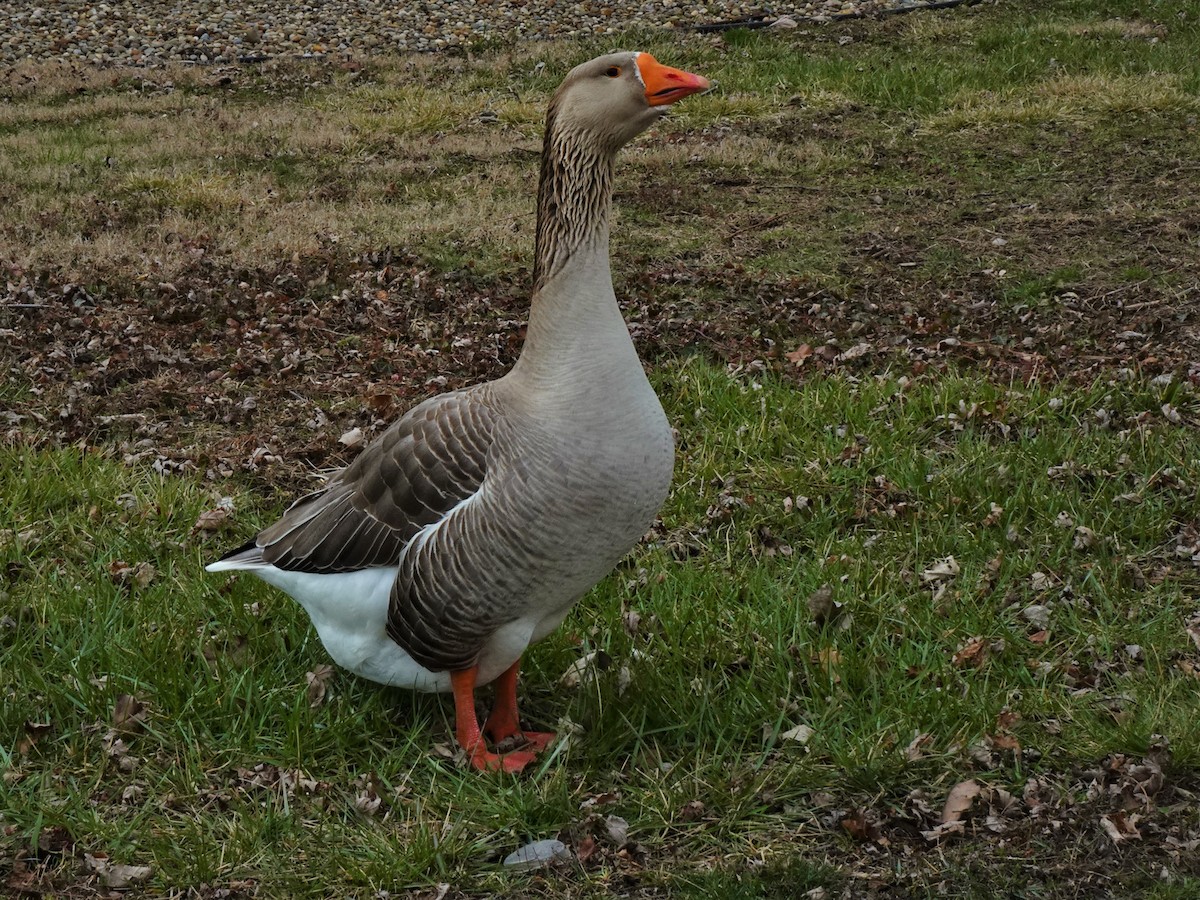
922 298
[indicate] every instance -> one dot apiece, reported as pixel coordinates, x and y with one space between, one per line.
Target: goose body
468 530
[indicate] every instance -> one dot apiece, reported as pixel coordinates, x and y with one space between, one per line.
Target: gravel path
149 32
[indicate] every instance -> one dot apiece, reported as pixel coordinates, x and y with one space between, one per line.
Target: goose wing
428 462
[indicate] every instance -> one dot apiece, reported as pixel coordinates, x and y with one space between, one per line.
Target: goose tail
247 556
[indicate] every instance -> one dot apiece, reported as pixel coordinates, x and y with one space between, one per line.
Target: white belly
349 611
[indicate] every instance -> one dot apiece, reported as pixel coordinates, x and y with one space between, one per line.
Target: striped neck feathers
574 198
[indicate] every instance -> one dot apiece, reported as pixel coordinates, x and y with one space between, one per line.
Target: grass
1010 178
725 659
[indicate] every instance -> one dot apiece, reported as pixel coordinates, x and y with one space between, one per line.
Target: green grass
726 656
875 175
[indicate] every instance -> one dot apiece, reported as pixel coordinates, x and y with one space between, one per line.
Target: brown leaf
317 681
601 799
1007 719
129 713
211 519
1120 827
916 747
799 355
1006 742
830 658
585 848
972 653
959 800
859 826
55 839
33 733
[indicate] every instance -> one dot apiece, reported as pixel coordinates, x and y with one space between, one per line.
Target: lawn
920 617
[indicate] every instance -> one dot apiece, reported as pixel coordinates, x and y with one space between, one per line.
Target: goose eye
612 71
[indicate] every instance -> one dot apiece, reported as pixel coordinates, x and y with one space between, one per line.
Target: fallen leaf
585 669
318 679
211 520
537 854
33 733
916 747
116 876
129 713
1006 742
1006 719
959 800
601 799
368 802
585 849
942 570
631 621
352 438
973 652
799 355
830 658
624 680
121 876
801 734
1120 827
617 830
1036 615
859 826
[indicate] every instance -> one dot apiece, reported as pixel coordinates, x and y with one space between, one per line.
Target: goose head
614 98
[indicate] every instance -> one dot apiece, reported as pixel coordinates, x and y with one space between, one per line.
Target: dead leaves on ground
1120 801
139 574
116 875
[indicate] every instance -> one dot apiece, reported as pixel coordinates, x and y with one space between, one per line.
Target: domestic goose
469 529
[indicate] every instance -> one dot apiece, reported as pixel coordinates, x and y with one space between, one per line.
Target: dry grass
1073 101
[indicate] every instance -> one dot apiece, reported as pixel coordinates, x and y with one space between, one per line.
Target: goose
468 530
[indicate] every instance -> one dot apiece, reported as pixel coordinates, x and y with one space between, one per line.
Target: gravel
152 32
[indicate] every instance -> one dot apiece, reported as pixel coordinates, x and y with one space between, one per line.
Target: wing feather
429 461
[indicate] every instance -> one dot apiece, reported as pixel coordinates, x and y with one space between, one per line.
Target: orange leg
467 728
504 723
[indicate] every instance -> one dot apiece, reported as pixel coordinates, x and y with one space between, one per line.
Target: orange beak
666 85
